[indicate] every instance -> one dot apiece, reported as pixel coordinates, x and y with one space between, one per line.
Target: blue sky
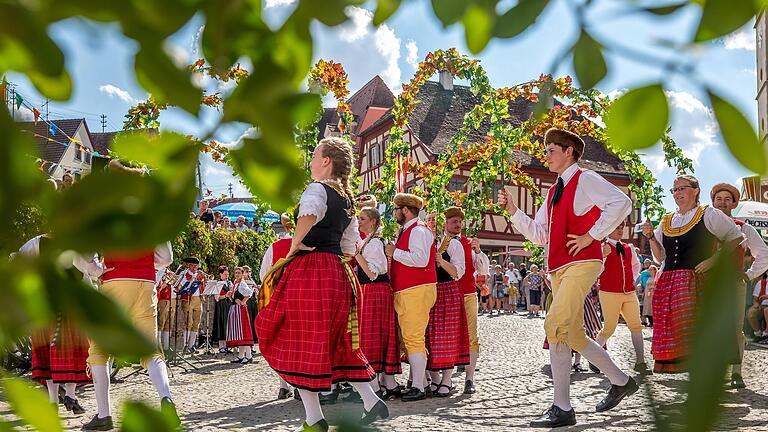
100 61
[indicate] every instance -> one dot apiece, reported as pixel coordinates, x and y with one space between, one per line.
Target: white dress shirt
163 255
636 267
89 265
481 262
374 256
456 253
420 243
758 249
244 289
592 191
314 202
716 222
266 261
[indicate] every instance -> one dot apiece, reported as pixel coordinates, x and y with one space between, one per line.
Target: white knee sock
638 343
560 361
282 383
241 352
166 336
366 393
158 374
100 377
248 353
418 363
312 408
53 391
222 344
333 388
375 382
389 381
600 340
186 337
70 389
192 339
434 377
470 368
736 369
596 355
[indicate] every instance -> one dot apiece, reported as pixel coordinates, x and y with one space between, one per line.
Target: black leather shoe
391 394
469 387
168 408
414 394
237 360
353 397
737 381
578 368
379 411
438 393
283 393
594 368
74 406
321 426
296 394
61 394
555 417
616 394
99 424
642 368
329 399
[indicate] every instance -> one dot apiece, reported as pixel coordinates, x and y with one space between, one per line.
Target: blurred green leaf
588 61
716 320
31 404
478 25
329 12
739 135
232 29
114 211
638 118
270 169
167 83
55 87
519 18
138 417
666 10
163 152
384 10
295 55
22 309
721 17
449 11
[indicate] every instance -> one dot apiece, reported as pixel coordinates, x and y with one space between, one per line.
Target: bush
251 249
194 240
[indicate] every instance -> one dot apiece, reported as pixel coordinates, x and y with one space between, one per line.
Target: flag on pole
4 89
37 115
19 100
52 129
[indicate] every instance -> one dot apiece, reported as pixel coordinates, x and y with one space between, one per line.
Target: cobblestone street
513 386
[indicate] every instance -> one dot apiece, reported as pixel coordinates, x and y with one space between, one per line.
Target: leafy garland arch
491 157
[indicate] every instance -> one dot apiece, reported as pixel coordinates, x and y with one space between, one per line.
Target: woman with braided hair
308 328
378 332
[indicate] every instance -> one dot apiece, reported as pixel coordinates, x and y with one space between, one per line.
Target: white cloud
358 26
693 125
388 45
412 57
251 132
21 113
278 3
117 92
741 40
751 71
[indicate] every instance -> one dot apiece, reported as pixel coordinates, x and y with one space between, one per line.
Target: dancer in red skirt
684 241
239 321
59 354
378 331
308 329
447 334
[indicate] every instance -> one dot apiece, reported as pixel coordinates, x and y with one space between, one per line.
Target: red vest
280 249
564 221
617 272
163 291
403 276
467 282
763 284
135 267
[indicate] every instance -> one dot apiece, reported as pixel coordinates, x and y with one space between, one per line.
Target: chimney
446 80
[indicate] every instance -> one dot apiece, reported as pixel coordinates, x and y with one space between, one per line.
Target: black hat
191 260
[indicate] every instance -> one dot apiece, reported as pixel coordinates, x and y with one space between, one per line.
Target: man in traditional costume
581 209
188 290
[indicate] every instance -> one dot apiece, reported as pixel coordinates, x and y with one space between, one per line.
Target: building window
87 158
456 185
374 156
78 154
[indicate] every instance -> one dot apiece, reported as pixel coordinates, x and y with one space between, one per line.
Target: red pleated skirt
303 331
239 326
447 336
60 355
378 328
674 314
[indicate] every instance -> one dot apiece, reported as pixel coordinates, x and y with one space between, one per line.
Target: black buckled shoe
391 394
737 381
594 368
578 368
296 394
555 417
642 368
237 360
321 426
99 424
438 393
379 411
283 393
73 405
469 387
616 394
330 398
414 394
353 397
168 408
61 394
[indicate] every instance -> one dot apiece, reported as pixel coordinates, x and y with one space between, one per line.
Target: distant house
63 146
437 117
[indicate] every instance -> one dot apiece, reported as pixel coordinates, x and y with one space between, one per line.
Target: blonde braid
342 158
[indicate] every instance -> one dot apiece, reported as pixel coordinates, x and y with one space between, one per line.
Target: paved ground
513 386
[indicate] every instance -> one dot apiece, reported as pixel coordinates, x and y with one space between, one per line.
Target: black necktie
620 249
558 192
